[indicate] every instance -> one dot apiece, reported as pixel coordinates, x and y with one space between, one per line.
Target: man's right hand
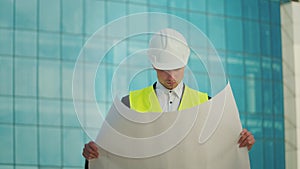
90 150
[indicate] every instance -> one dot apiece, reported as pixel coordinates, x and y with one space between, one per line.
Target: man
168 53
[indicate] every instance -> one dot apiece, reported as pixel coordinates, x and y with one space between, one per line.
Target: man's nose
171 74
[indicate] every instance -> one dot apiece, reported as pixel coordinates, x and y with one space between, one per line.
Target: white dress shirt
169 100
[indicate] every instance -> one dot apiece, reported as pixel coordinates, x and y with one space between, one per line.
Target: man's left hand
246 139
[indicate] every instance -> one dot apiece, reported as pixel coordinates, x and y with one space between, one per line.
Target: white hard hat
168 50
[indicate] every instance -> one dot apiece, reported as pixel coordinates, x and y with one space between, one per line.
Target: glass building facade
40 41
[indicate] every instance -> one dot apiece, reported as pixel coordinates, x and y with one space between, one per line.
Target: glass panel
238 89
264 10
6 42
158 2
279 154
235 65
265 37
50 146
115 10
251 37
275 12
199 20
268 127
135 8
216 33
6 166
266 68
25 111
267 97
234 8
177 4
269 154
49 79
215 6
6 109
253 66
234 35
25 77
276 41
6 13
94 15
254 96
26 141
49 45
199 5
72 142
279 128
255 125
278 98
49 15
71 47
67 75
6 144
277 70
250 9
6 75
25 43
26 14
49 112
257 155
69 115
72 16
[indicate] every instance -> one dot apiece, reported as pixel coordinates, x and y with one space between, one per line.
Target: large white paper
203 137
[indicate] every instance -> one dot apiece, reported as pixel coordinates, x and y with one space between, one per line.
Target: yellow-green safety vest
145 100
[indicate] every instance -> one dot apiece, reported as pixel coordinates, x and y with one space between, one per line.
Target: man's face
170 78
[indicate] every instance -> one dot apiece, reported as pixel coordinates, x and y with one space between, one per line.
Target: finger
88 149
88 156
244 136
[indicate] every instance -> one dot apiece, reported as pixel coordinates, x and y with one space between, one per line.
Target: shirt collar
177 90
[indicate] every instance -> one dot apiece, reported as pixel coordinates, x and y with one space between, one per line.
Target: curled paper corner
217 104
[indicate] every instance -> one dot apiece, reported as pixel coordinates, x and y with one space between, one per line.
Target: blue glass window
199 5
72 143
25 111
114 10
216 31
6 144
215 6
94 14
269 154
264 10
277 70
25 77
25 43
50 146
72 16
49 15
267 97
278 93
177 4
255 125
6 109
199 20
250 9
265 37
276 41
253 67
69 115
49 45
266 68
71 47
6 75
234 35
254 95
257 155
268 127
6 13
26 14
235 65
49 112
67 75
6 42
234 8
279 158
275 12
26 141
251 37
49 79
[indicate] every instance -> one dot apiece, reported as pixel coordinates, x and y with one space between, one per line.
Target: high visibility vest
145 100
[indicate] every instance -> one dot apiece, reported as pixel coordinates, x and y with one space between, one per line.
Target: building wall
290 51
39 44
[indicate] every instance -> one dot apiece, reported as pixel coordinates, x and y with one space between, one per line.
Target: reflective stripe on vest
145 100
